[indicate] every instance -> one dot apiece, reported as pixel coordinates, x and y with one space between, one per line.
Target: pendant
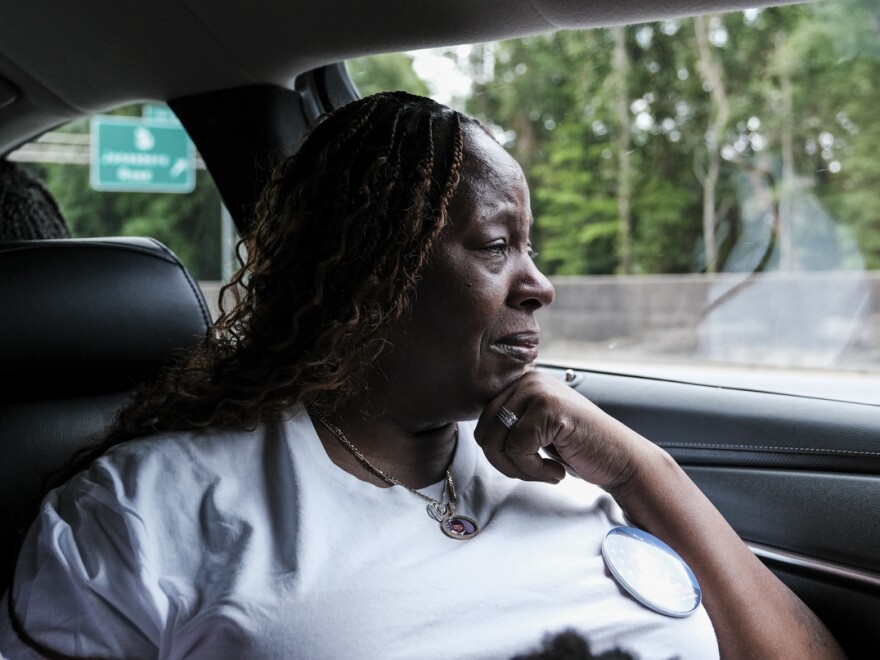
459 527
453 525
440 512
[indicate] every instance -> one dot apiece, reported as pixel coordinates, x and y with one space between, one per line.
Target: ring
507 418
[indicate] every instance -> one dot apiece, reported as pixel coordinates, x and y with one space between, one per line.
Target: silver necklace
454 525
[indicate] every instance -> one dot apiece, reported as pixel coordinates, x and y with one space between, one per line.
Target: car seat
82 321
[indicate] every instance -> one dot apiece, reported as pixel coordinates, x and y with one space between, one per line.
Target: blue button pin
651 572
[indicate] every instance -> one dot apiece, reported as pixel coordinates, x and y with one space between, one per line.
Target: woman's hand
567 426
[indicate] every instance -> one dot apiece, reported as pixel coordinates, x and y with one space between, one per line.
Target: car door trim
818 565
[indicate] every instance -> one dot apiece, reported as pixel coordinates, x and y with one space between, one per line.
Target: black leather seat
81 322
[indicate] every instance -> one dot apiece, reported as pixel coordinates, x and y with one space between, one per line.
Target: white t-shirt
255 545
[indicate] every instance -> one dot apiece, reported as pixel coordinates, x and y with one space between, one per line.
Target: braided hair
27 209
343 232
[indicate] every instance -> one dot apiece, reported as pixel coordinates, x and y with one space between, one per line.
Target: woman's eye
500 249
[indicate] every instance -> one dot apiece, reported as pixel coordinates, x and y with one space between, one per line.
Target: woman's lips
520 346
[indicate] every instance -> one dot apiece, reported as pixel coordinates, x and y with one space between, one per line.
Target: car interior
84 320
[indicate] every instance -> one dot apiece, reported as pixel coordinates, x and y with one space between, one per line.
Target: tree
709 173
837 51
620 83
386 72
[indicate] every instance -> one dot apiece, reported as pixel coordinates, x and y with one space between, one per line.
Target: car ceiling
60 60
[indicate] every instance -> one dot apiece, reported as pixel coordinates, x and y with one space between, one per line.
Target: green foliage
669 224
574 204
388 72
800 88
844 116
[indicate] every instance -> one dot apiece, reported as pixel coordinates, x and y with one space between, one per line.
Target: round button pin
651 572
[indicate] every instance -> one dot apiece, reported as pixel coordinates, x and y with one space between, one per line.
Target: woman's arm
754 614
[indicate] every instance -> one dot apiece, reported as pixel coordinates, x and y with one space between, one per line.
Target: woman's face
473 331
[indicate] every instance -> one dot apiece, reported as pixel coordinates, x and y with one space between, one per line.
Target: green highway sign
160 113
141 155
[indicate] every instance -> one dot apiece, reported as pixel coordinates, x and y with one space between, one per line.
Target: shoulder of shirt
208 440
180 458
182 444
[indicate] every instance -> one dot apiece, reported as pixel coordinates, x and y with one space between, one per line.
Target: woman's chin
499 382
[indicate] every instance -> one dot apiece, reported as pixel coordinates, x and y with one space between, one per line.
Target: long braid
455 161
385 158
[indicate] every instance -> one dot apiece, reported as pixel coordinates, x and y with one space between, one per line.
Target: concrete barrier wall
781 319
817 319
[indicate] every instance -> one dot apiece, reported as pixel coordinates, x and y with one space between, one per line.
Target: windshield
706 191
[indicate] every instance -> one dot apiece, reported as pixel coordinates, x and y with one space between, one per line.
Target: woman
309 487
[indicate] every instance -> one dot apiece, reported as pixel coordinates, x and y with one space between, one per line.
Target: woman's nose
531 290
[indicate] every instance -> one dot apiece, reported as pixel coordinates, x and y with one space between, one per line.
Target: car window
704 190
134 172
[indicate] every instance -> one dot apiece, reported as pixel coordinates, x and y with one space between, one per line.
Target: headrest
90 316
